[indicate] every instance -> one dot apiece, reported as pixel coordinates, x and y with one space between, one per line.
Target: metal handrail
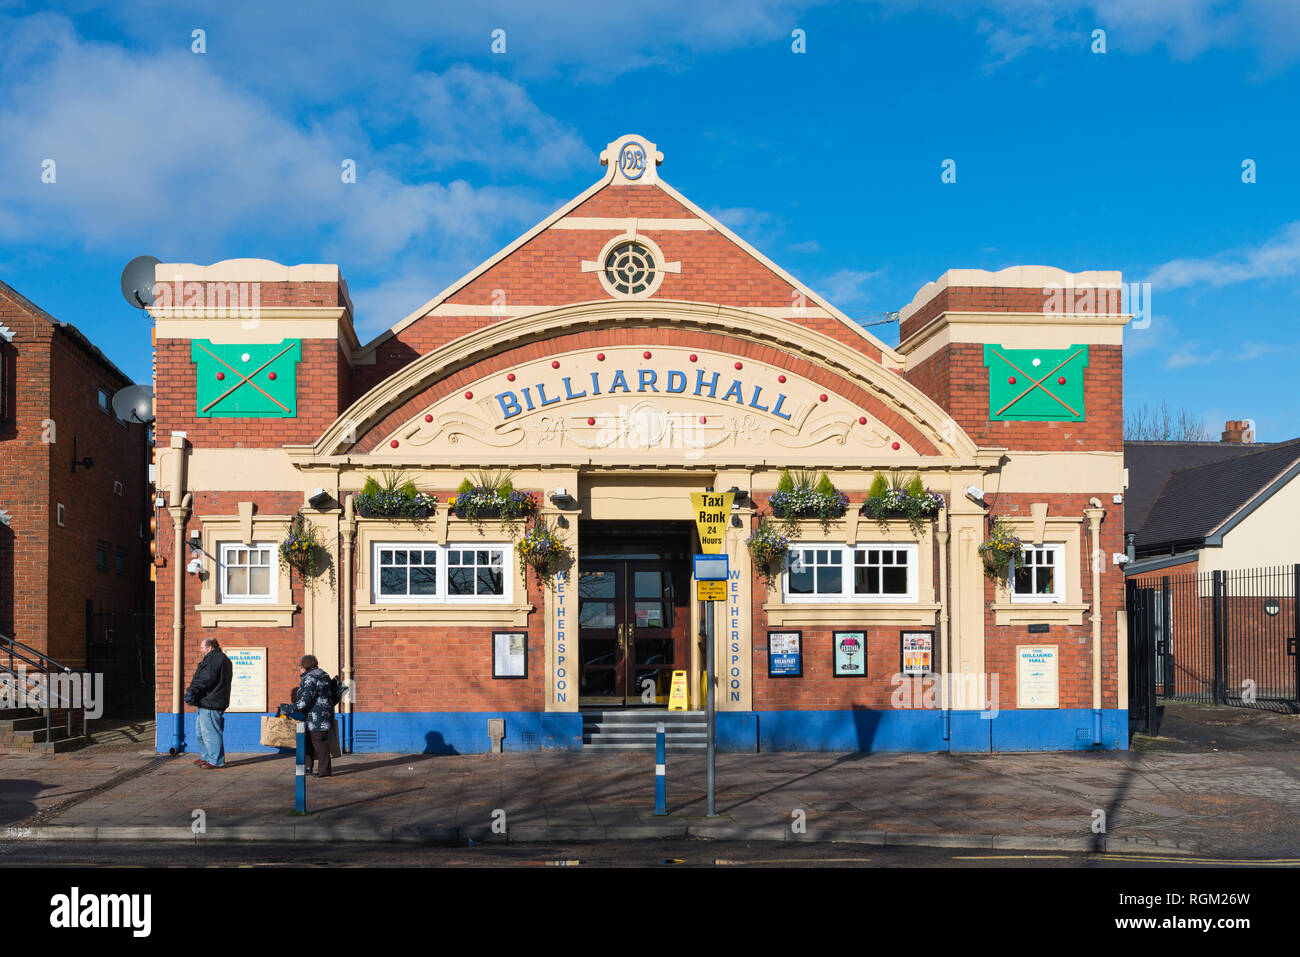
43 667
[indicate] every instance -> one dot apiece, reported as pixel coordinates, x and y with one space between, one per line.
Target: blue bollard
300 772
661 771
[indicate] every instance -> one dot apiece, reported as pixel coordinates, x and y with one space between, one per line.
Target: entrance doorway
634 611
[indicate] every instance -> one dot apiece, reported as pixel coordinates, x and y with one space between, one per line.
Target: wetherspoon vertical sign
712 512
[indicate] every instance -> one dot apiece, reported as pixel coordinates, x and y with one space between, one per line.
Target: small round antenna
134 404
138 281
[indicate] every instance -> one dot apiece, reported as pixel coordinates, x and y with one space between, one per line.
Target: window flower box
799 497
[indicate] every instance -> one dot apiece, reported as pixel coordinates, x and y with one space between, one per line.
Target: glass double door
633 620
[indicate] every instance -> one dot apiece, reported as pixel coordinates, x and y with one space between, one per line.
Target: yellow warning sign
677 697
712 512
711 591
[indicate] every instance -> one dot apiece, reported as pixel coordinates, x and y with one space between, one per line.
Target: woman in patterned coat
314 699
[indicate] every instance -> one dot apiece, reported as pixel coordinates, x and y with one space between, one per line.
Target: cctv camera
975 494
319 498
194 567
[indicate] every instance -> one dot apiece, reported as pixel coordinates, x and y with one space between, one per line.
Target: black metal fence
1224 637
120 646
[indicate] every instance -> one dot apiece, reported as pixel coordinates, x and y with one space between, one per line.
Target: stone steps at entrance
635 730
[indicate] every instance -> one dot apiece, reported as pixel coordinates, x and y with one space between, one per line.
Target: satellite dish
138 281
134 404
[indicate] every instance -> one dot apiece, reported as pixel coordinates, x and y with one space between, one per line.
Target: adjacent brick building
627 352
74 531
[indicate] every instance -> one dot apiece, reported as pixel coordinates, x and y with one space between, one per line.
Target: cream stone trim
604 223
334 323
1033 330
1069 531
662 268
848 615
219 529
517 311
247 270
1015 277
507 614
1046 472
896 392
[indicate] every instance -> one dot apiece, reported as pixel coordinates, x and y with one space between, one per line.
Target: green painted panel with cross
1036 385
254 381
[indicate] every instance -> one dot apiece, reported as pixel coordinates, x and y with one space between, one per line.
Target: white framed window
868 572
247 573
407 572
1040 577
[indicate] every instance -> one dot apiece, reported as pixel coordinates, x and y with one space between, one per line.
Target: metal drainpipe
1094 516
178 506
348 529
179 513
941 535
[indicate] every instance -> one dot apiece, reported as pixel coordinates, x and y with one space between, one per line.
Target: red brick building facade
627 352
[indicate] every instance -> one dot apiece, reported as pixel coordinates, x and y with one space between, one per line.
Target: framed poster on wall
850 649
785 654
509 654
918 653
247 680
1037 677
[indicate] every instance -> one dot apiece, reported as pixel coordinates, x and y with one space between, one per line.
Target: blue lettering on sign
541 394
753 403
595 383
620 381
561 685
568 390
713 384
733 609
509 407
776 409
676 376
734 390
528 397
647 376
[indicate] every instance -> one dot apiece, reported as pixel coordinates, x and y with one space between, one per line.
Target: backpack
334 691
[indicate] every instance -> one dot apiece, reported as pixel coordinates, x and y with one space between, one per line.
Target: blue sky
828 161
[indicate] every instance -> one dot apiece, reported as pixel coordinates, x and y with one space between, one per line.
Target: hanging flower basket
768 549
302 550
1000 549
541 548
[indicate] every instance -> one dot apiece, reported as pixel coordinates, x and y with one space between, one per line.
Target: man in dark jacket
209 692
314 699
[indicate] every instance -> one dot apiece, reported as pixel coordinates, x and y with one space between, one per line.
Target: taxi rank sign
712 512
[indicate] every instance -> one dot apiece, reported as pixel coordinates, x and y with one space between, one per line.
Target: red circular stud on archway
822 398
862 420
600 357
393 443
510 377
469 395
703 419
694 357
590 420
895 446
555 364
740 365
428 418
646 355
780 378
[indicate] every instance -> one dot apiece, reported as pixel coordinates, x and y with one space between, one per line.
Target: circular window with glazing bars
630 268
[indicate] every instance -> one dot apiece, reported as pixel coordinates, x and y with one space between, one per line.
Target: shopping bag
279 732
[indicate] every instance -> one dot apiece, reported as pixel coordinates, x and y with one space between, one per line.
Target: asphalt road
636 854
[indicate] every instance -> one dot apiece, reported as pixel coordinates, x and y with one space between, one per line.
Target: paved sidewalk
1242 803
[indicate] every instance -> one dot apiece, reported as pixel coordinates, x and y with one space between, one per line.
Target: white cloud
155 150
847 287
1191 354
1277 257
